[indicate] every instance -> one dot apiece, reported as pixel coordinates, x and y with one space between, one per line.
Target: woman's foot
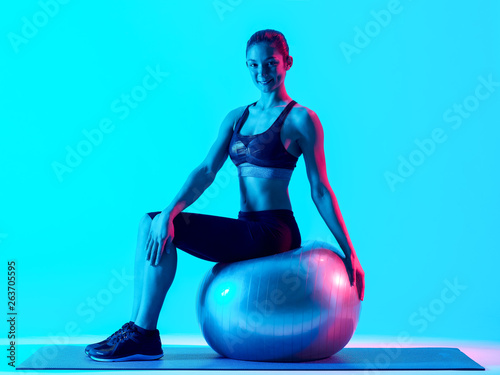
135 344
124 328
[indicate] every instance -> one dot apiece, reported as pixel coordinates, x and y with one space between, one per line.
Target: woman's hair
273 37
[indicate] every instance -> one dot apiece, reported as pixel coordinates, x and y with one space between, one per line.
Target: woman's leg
223 239
208 237
151 283
140 264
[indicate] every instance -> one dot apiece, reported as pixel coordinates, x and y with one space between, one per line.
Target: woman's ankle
148 326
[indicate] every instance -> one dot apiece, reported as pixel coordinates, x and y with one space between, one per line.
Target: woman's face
266 66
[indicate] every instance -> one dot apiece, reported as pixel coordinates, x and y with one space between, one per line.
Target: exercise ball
289 307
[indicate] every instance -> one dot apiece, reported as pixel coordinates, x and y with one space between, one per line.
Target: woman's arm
329 210
203 175
311 141
162 228
161 231
196 183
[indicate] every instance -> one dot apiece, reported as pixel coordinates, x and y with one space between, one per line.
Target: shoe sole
87 352
134 357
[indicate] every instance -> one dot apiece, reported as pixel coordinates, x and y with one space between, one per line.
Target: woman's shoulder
300 109
236 113
302 116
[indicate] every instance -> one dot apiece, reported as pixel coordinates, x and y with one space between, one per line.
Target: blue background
72 234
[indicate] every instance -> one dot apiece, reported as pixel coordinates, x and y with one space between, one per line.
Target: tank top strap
243 118
279 120
282 116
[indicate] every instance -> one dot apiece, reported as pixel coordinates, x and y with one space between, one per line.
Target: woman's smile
265 83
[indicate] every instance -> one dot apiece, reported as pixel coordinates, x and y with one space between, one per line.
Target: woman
265 156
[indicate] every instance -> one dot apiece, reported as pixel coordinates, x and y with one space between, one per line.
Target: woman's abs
258 194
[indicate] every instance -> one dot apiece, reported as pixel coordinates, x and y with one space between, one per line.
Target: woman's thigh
223 239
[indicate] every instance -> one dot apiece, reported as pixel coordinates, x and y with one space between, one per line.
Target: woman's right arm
162 229
204 174
196 183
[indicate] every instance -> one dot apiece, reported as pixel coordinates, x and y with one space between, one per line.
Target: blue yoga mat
191 357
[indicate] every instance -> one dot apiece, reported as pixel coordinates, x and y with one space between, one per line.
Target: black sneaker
132 345
124 328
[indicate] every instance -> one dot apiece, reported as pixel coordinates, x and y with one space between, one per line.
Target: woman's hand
161 234
355 273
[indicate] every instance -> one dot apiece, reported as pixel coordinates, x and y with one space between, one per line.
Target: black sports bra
262 155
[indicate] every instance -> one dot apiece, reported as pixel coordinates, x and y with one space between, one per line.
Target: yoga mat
197 357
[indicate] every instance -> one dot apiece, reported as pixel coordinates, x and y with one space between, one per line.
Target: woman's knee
145 223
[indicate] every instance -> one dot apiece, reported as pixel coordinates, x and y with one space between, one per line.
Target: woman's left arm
311 141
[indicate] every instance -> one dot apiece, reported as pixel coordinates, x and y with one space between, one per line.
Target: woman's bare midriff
258 194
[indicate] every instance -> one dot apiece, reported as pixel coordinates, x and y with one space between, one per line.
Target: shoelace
127 334
124 328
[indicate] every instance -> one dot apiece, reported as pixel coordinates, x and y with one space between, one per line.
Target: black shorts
221 239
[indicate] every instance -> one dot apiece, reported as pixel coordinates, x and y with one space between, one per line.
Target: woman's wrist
173 210
349 252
